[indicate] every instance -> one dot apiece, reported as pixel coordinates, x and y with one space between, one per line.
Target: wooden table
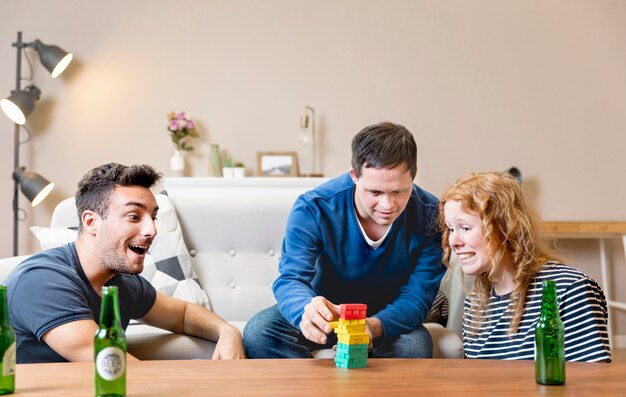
601 231
320 378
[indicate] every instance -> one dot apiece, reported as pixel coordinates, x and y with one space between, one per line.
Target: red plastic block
353 311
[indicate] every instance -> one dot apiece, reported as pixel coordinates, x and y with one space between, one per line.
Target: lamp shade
34 186
20 104
53 58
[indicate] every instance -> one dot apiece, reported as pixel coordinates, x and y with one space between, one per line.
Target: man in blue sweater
368 236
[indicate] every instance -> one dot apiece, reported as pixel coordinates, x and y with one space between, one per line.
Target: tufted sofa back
234 229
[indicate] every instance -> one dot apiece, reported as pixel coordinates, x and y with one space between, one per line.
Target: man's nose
386 202
148 228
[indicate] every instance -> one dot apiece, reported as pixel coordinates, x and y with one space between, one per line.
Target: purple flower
174 125
182 129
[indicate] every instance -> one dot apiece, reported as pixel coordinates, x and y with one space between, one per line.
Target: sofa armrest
8 264
151 343
446 343
169 346
454 285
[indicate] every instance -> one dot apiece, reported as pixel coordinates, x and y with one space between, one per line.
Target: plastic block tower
352 339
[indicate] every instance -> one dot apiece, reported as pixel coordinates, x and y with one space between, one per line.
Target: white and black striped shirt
582 308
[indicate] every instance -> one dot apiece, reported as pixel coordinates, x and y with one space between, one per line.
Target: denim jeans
269 335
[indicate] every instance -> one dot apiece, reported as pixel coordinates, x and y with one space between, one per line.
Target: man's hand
373 328
317 314
229 345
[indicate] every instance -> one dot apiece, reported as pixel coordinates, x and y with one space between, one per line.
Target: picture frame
277 164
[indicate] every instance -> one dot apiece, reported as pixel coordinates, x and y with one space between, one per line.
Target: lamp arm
36 45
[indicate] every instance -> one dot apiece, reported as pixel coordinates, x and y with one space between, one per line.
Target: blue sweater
324 253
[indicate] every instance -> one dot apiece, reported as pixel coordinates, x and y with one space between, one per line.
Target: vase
215 160
177 164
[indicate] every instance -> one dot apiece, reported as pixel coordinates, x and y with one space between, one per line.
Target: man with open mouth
55 296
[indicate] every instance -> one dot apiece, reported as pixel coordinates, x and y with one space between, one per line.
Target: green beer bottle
549 340
110 348
7 346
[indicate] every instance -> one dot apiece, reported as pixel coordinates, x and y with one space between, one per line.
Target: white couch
233 229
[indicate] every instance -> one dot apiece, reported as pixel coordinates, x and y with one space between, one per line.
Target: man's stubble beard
114 262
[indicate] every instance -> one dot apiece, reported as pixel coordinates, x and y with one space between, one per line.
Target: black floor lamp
18 106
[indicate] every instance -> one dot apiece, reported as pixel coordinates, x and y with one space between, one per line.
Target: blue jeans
269 335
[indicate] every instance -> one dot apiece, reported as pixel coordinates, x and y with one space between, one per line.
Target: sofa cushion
171 271
167 265
52 237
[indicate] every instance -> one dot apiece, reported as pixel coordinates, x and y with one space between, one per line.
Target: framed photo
277 164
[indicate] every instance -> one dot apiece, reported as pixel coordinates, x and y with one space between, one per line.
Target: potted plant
227 167
239 170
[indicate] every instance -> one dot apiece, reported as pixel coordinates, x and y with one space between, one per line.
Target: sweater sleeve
583 311
416 297
293 288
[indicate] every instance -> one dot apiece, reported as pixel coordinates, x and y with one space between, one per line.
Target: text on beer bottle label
111 363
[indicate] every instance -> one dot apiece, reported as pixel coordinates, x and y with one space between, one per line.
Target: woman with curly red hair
485 220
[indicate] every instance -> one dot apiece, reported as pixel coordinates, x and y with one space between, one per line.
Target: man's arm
414 299
188 318
74 340
293 289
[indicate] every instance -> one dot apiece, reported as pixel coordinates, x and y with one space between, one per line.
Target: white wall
483 85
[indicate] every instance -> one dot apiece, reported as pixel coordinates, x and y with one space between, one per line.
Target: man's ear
353 175
90 221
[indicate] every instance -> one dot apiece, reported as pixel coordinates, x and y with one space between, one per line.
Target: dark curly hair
95 187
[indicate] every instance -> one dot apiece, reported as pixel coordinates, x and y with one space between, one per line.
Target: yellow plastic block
351 322
353 339
350 329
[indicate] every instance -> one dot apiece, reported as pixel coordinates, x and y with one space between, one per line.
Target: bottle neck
549 304
4 306
110 309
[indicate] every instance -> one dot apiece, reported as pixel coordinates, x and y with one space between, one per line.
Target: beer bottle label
111 363
8 361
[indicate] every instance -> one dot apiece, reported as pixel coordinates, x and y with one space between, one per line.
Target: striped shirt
582 308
